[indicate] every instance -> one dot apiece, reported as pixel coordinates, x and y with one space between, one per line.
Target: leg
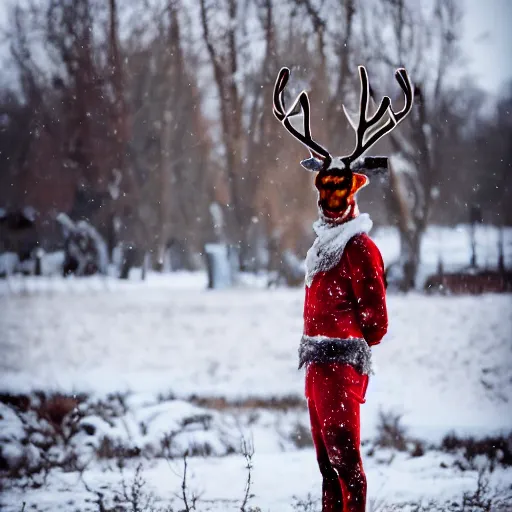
339 390
331 490
344 455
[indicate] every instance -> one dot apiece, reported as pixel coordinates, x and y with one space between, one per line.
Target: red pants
335 392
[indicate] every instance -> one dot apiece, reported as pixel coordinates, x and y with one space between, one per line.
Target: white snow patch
445 360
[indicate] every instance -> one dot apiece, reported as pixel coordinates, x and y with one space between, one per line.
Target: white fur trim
336 163
327 249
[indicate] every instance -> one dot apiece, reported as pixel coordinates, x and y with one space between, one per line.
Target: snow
452 352
223 480
8 263
220 265
148 427
450 244
166 344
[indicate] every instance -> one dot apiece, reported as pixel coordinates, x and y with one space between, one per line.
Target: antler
320 157
369 131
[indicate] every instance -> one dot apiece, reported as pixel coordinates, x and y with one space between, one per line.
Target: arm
368 285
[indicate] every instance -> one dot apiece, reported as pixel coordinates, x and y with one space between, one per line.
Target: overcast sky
487 40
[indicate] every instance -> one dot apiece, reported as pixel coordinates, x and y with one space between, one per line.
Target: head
337 188
339 179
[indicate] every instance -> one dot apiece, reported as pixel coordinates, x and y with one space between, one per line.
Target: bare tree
286 197
71 67
119 110
244 88
490 161
169 143
223 50
427 45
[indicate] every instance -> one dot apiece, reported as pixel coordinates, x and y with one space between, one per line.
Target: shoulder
361 243
362 248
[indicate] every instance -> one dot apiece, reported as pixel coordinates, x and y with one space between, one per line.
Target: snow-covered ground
280 481
445 360
450 244
444 366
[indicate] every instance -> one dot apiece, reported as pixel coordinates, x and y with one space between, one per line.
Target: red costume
345 305
344 313
347 301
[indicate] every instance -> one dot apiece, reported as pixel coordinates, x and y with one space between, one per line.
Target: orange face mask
336 191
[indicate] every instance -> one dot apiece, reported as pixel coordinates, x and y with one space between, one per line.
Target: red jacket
349 300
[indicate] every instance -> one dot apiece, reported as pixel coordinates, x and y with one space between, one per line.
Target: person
345 295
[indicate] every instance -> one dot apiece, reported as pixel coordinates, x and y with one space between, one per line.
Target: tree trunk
410 245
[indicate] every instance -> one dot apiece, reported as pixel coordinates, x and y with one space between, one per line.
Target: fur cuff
321 349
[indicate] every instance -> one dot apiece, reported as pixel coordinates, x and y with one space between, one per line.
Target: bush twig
248 452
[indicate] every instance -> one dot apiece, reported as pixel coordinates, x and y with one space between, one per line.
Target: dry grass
285 403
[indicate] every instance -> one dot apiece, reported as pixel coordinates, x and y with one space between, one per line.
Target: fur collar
327 249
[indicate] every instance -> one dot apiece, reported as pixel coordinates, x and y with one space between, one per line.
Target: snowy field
441 355
451 245
212 366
